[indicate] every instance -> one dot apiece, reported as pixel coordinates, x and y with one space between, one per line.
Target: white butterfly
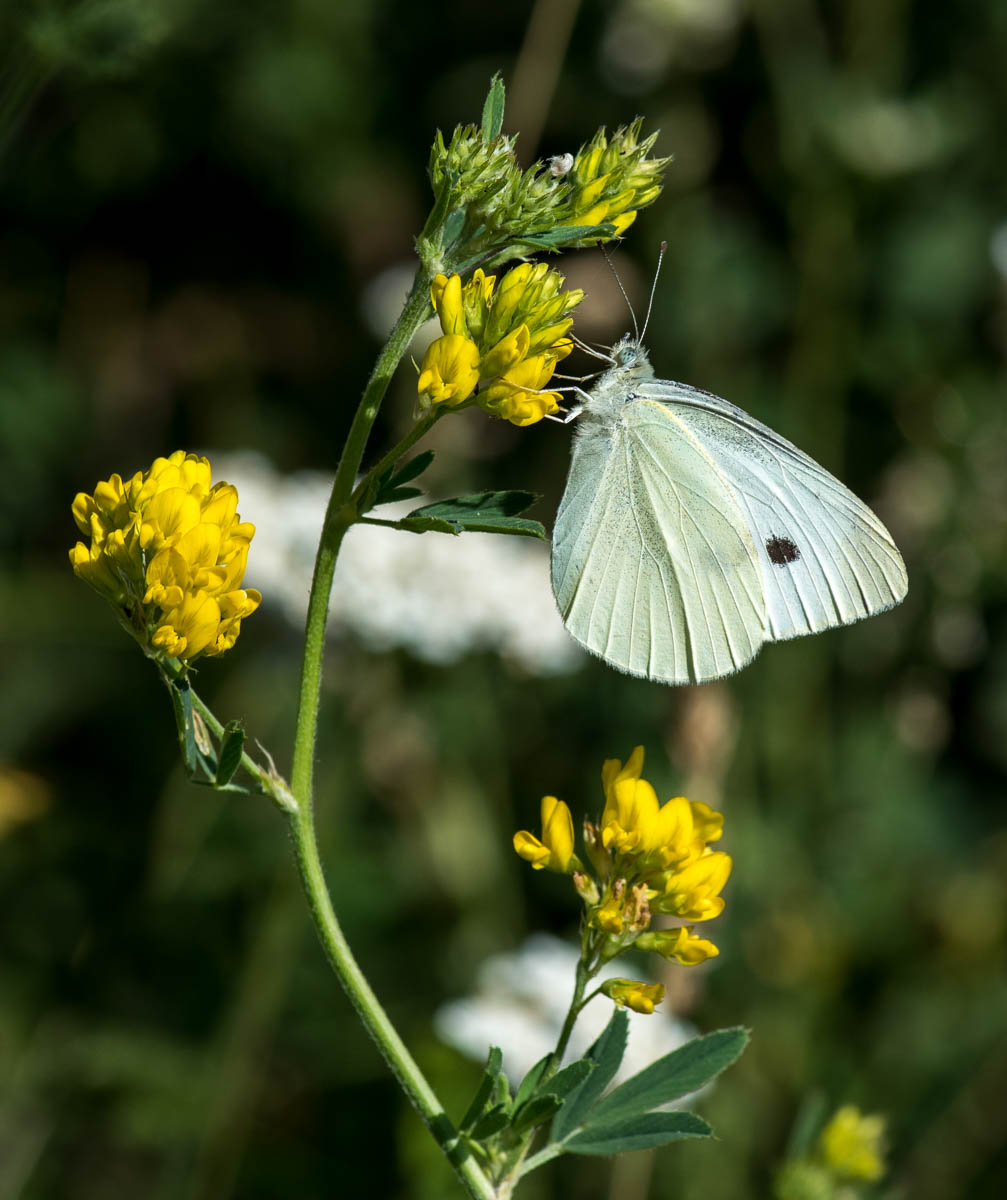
689 533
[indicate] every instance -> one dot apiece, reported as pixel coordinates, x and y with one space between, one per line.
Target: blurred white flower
522 999
436 596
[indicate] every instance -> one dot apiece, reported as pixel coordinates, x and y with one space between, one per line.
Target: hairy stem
341 513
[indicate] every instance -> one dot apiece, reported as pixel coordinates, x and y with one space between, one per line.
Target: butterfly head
628 353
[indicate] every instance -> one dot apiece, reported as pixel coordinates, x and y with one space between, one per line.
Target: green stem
341 513
373 1016
339 516
584 973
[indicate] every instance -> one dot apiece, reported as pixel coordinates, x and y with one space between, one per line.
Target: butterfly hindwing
824 557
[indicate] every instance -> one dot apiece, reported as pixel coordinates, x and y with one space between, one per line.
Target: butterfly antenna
611 267
589 350
653 287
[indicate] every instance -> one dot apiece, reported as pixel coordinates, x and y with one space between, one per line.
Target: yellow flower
518 396
694 891
168 550
509 335
555 850
678 944
851 1144
631 993
633 821
450 370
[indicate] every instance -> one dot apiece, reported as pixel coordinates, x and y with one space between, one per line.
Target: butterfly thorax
617 385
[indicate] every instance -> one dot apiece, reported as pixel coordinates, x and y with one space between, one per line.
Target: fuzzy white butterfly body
689 533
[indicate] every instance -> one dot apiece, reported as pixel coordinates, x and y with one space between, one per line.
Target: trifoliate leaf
484 512
388 487
676 1074
637 1133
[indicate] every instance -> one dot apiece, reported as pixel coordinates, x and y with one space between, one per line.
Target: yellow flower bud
678 944
631 993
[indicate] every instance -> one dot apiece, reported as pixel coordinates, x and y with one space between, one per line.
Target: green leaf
485 1089
483 512
388 487
606 1054
232 744
564 1082
413 468
549 239
537 1111
399 493
529 1085
637 1133
490 1123
188 737
676 1074
493 110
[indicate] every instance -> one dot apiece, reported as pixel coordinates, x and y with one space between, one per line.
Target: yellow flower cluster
649 859
509 337
168 550
612 179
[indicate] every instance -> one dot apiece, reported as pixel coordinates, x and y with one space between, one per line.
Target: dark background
193 201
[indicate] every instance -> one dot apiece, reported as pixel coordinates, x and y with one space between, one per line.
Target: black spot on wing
781 550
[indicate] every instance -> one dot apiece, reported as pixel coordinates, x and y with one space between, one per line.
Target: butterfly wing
824 557
653 566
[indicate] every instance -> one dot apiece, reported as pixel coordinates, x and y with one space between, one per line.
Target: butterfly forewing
653 566
825 558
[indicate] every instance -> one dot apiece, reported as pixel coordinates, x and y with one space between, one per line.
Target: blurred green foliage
195 202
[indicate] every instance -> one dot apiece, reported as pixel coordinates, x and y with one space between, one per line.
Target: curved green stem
342 512
339 516
584 973
373 1016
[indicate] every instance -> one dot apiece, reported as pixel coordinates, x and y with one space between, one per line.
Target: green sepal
483 512
529 1085
485 1090
490 1122
536 1111
232 745
493 110
606 1055
682 1071
642 1132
